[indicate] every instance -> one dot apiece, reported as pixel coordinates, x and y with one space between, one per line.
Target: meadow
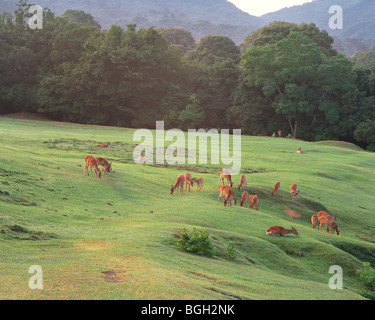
115 237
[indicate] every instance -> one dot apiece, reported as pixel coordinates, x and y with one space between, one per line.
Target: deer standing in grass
243 183
294 191
227 193
334 227
103 146
253 202
279 133
188 181
106 166
325 218
199 183
276 188
90 161
245 199
179 184
224 175
314 221
280 231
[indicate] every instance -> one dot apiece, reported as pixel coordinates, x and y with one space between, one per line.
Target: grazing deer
253 202
276 188
106 166
299 151
243 183
279 133
188 181
280 231
227 193
294 191
314 221
334 227
245 198
104 146
224 174
199 183
90 161
325 218
179 184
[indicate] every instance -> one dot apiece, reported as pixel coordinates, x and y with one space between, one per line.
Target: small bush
231 251
367 276
196 241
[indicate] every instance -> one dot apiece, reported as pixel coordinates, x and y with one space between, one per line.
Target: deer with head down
179 184
243 183
90 161
276 188
106 166
314 221
325 218
332 227
294 191
224 175
253 202
227 193
280 231
245 199
199 183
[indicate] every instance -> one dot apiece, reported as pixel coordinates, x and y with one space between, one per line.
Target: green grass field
115 237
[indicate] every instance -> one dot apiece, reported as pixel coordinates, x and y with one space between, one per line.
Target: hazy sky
260 7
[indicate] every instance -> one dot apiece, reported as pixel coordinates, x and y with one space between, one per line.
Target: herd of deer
227 193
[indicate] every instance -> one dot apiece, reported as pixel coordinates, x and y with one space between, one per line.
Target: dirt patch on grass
202 275
20 233
95 245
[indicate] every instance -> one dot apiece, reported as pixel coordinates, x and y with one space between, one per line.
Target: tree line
283 77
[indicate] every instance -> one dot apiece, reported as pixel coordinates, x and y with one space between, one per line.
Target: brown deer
245 199
314 221
276 188
280 231
229 198
334 227
104 146
188 181
199 183
294 191
253 202
179 184
227 193
90 161
224 174
279 133
243 183
325 218
106 166
299 151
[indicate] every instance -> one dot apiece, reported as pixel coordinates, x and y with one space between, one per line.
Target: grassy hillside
115 238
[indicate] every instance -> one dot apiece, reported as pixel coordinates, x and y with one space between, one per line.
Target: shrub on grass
196 241
367 276
231 251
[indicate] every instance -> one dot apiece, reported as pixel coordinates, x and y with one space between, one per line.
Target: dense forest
284 76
